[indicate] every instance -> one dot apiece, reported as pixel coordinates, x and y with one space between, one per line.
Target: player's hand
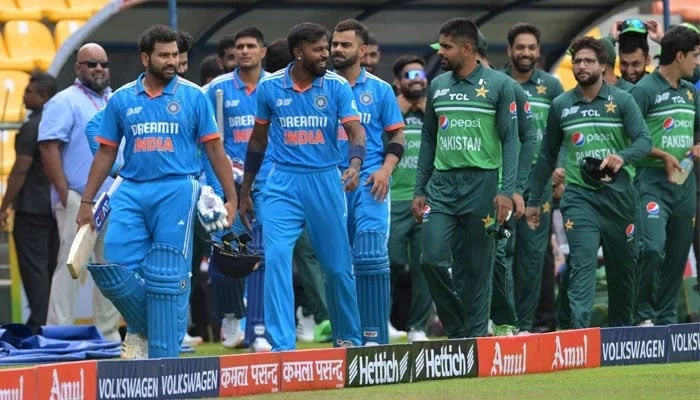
532 217
211 211
655 30
519 205
671 166
558 191
504 207
350 179
694 151
3 219
612 161
380 183
614 30
245 209
85 216
558 176
417 208
231 212
63 197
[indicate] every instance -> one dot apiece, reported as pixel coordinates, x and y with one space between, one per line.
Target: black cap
599 178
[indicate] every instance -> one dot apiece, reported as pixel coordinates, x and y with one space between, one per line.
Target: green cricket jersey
527 136
624 84
403 179
469 123
672 115
610 123
541 89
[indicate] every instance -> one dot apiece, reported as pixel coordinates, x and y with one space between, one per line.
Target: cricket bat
220 111
84 242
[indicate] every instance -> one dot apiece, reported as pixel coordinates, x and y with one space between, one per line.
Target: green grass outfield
654 381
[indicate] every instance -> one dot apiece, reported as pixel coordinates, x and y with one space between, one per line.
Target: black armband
357 151
395 149
253 161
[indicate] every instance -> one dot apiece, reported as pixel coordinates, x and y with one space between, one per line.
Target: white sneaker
231 334
305 327
260 345
416 335
134 347
646 323
395 334
371 344
524 333
192 341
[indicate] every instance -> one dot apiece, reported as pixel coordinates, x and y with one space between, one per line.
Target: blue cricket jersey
239 118
379 112
161 132
304 121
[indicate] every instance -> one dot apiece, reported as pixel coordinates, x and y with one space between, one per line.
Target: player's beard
523 68
313 67
448 65
160 73
97 84
592 79
344 62
413 92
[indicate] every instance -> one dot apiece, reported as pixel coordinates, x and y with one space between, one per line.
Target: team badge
366 98
173 107
629 231
320 102
653 209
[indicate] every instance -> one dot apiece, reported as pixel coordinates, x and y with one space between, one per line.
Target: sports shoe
646 323
260 345
322 332
524 333
395 334
305 327
231 333
371 344
134 347
416 335
192 341
490 328
504 330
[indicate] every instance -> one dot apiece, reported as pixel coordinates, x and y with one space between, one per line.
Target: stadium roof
401 26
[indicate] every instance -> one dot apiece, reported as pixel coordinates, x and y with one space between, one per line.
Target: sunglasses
632 25
93 64
414 75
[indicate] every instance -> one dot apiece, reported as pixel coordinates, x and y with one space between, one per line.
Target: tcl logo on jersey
653 209
578 139
670 123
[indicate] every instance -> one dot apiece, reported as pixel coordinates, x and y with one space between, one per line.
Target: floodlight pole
172 10
667 14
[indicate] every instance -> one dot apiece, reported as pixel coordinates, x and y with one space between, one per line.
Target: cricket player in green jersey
667 195
469 134
609 74
530 245
601 122
405 232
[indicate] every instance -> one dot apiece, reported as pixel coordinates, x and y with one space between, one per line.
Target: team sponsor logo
513 108
320 102
173 107
444 359
578 139
312 369
629 231
17 384
366 98
245 374
684 342
569 111
511 355
440 92
670 123
378 365
283 102
231 103
443 122
569 350
133 110
625 346
653 209
527 108
67 381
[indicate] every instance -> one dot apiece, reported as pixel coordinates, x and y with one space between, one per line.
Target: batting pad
225 293
167 276
371 260
126 290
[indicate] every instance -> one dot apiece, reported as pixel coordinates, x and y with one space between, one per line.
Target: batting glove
211 211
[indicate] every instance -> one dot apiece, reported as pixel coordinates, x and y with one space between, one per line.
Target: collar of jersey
603 94
471 78
239 84
289 83
169 88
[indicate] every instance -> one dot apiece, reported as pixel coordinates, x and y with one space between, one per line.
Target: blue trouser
295 197
255 310
368 230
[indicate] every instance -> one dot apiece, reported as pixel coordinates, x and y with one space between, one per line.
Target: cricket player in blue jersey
368 206
299 109
162 118
239 98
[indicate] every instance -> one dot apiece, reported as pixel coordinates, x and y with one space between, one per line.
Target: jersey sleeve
507 127
93 128
206 120
392 118
549 151
347 108
527 135
426 154
57 120
697 114
642 98
110 132
638 132
262 109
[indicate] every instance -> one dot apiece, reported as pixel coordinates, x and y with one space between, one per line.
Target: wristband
87 202
357 151
253 161
395 149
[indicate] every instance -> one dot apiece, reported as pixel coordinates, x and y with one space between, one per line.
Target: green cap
690 26
609 49
599 178
480 43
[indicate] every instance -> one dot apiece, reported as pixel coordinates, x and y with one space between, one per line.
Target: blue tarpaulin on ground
56 343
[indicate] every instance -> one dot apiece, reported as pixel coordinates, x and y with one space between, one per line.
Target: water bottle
679 177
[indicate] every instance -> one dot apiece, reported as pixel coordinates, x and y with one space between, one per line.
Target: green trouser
530 248
405 249
461 202
563 306
311 278
600 217
502 300
665 228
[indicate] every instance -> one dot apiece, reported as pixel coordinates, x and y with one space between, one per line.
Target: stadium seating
30 39
17 63
94 5
9 10
12 85
7 152
64 29
55 10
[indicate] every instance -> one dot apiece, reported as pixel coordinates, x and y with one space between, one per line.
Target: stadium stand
12 84
14 63
30 39
94 5
64 29
55 10
9 10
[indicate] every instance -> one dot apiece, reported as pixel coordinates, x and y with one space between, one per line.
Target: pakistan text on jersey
460 143
303 121
676 142
595 153
163 128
